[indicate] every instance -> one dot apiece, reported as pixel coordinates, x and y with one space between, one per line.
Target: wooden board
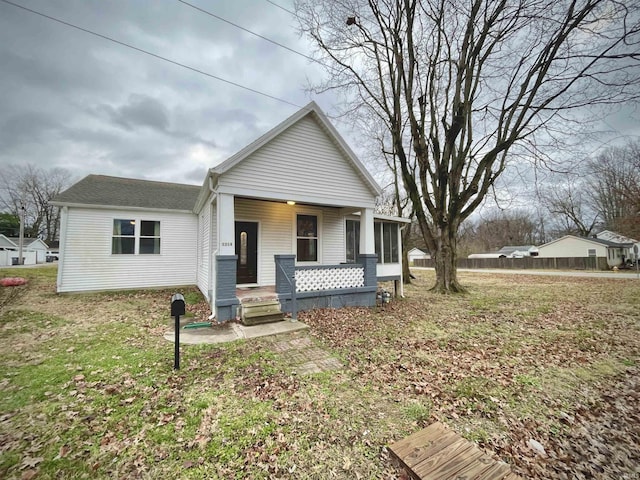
438 453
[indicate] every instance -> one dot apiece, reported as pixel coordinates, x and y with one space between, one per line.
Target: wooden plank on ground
451 461
496 471
438 453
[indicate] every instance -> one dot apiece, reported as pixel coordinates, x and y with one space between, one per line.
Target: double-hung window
149 237
131 237
124 237
307 238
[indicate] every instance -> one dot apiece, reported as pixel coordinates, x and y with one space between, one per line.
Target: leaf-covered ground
541 372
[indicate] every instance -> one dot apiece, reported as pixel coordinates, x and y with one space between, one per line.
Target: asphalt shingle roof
129 192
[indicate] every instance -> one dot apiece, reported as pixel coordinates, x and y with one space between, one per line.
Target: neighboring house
10 250
294 204
33 245
572 246
519 251
417 254
617 238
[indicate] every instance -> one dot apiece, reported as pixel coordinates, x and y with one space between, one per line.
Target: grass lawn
88 389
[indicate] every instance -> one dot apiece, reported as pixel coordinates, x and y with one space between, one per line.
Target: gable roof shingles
102 190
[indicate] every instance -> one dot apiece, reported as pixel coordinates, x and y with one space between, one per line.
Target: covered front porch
296 252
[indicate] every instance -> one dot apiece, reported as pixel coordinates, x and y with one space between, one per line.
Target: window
353 241
127 241
124 237
390 242
149 237
307 238
592 252
385 239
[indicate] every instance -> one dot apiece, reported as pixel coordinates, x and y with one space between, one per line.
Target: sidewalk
231 331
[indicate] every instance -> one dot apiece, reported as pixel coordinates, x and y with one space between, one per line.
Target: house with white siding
571 246
292 214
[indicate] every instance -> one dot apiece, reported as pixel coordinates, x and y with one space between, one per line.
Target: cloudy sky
72 100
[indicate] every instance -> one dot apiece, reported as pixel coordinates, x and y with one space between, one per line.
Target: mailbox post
177 309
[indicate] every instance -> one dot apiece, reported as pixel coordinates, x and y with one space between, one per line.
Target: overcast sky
72 100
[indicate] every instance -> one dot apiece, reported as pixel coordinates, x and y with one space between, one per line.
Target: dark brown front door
247 252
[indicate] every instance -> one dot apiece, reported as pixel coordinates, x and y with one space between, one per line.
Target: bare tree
32 188
614 188
496 229
474 84
571 207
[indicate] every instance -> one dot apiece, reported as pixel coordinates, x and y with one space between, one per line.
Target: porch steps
259 312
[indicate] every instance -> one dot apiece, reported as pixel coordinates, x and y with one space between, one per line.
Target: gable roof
614 237
310 109
103 191
27 241
6 241
597 241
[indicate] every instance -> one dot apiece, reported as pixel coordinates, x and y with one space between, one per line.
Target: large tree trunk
445 256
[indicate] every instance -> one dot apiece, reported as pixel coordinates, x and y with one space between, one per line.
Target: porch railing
328 277
292 285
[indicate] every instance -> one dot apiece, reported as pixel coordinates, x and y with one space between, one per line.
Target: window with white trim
131 237
124 237
149 237
306 238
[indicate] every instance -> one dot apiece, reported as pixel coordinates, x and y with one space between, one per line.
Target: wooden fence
527 263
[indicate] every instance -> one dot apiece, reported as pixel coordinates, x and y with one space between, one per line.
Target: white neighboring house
417 254
616 237
9 250
33 245
294 204
572 246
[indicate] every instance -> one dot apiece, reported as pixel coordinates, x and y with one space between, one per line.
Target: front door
247 252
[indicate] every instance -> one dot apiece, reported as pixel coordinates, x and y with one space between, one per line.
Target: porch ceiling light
290 202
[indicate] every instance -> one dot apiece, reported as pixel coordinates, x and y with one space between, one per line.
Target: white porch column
367 242
226 224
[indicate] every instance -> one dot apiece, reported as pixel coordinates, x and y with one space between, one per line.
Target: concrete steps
256 313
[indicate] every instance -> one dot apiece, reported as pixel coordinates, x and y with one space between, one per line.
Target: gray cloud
82 103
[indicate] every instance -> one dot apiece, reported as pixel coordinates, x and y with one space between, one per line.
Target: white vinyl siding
300 163
89 264
571 247
276 235
204 248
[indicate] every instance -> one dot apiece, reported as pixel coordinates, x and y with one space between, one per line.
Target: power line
282 8
160 57
249 31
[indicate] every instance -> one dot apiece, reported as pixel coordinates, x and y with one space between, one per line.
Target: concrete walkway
231 331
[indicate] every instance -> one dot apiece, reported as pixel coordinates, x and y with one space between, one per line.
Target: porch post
226 260
226 225
367 243
368 258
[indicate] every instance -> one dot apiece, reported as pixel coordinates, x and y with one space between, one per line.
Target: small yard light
290 202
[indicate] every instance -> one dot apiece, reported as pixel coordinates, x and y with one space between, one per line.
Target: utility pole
21 237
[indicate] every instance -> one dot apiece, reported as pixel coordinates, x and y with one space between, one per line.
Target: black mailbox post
177 309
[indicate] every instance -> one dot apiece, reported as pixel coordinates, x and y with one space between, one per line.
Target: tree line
26 190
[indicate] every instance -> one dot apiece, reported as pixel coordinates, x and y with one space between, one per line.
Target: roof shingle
128 192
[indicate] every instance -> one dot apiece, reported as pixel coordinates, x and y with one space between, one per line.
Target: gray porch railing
283 280
308 287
